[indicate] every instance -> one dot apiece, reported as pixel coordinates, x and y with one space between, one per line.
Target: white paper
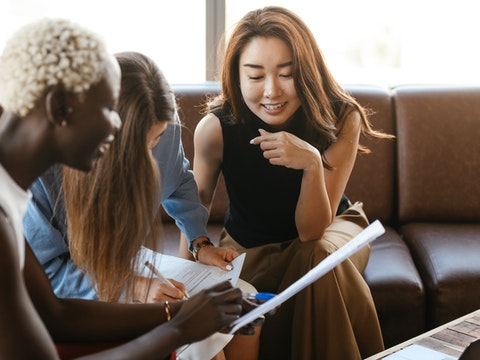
195 276
371 232
417 352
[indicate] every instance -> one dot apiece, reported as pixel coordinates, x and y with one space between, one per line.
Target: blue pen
261 296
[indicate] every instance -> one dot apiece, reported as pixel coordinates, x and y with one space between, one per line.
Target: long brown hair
115 209
324 103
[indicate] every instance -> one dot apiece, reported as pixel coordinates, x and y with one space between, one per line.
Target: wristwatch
195 248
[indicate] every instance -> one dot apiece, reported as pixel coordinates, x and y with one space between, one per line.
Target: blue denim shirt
45 221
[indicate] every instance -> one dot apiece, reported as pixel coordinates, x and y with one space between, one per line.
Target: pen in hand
261 296
162 278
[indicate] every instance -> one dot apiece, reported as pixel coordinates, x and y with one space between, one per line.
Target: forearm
157 344
183 248
184 206
85 320
313 213
88 320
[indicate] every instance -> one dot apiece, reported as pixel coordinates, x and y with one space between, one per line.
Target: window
388 42
364 41
172 33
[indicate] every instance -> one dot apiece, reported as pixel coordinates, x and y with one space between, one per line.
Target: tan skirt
332 319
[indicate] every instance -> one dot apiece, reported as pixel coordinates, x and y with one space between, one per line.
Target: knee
315 251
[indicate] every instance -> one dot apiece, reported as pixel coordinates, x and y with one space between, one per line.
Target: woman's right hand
208 311
153 290
217 256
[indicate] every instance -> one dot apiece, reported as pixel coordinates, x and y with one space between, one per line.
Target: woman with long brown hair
285 136
116 206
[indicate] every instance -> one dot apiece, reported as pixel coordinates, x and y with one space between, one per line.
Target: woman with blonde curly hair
59 90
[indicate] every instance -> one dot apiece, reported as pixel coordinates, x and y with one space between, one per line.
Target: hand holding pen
259 297
250 302
170 288
255 299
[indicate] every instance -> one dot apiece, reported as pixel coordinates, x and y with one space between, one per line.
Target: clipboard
367 235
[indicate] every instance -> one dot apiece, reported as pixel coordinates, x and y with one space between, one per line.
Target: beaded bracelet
166 306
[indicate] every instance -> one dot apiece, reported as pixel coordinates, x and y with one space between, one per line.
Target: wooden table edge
411 341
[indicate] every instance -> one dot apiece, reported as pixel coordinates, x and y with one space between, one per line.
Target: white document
417 352
371 232
195 276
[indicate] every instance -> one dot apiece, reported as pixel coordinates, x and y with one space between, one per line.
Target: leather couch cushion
396 288
448 260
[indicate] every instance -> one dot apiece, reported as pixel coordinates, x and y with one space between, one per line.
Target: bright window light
389 42
381 42
172 33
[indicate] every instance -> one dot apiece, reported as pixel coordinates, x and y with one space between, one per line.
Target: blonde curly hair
45 53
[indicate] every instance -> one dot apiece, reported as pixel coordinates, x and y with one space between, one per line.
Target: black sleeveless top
263 197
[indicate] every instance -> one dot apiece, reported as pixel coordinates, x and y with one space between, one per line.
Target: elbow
314 229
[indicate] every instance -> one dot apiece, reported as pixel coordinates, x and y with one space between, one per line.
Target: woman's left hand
217 256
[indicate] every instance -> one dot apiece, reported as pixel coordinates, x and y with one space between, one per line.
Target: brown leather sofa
424 188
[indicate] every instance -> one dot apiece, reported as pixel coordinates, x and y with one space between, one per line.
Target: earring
63 123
